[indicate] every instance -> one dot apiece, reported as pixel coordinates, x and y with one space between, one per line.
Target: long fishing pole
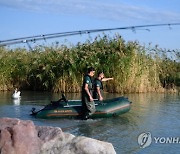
63 34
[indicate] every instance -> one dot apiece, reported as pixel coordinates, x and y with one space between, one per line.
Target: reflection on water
151 112
16 101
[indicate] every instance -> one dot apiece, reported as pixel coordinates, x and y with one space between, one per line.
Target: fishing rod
71 33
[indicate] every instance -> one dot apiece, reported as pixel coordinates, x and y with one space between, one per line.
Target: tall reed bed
60 68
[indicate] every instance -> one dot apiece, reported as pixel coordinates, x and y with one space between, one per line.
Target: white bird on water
16 94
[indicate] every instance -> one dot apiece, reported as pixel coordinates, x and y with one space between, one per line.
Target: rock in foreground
23 137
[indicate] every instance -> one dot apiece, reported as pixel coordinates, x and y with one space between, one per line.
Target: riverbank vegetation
135 68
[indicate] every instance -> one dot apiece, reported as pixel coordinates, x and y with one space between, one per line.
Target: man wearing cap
88 105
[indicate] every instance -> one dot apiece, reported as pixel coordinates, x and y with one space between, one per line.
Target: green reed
135 68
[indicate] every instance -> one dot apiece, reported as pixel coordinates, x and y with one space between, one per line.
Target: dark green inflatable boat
73 109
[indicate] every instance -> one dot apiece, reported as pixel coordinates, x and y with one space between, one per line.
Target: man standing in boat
98 86
88 105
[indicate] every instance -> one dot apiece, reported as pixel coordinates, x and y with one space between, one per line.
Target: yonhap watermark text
167 140
145 140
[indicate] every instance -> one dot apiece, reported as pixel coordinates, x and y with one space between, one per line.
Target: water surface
152 112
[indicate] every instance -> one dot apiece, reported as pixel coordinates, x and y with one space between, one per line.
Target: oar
76 105
78 100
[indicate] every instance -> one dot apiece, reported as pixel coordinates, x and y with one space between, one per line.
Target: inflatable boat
64 108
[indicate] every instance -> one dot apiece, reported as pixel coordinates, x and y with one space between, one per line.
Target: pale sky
21 18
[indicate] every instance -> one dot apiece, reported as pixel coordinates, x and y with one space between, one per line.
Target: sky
20 18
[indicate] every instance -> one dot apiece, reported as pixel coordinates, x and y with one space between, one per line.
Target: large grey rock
18 137
23 137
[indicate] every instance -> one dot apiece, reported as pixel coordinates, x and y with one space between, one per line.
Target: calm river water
152 113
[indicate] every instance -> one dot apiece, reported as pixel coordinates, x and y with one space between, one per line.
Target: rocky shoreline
23 137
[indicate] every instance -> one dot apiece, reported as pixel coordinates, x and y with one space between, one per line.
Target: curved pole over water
63 34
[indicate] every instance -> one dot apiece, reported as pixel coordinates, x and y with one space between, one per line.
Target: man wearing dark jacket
98 86
88 105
